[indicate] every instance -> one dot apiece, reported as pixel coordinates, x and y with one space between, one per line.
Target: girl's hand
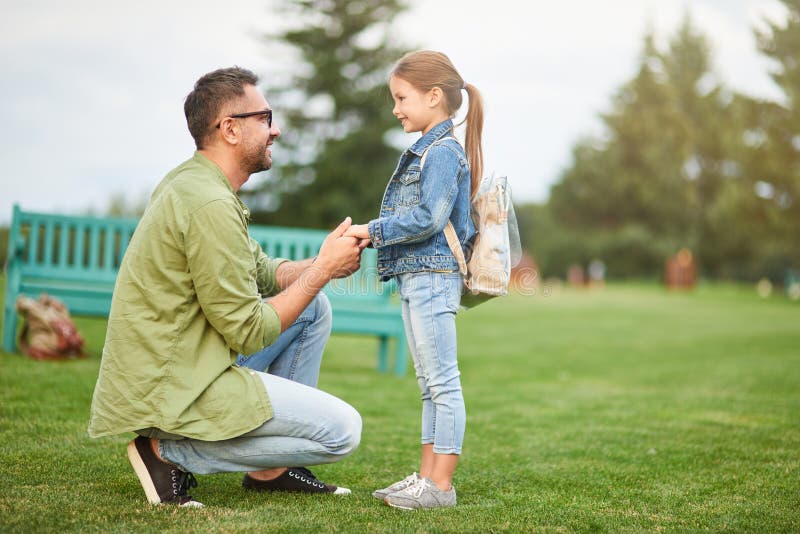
361 231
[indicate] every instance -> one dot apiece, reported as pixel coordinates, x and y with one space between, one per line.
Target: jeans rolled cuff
446 450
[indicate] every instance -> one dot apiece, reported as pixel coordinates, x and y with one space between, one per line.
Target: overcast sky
92 90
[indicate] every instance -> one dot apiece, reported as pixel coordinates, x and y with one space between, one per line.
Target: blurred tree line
683 161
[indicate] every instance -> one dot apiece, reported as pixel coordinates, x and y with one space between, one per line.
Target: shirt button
253 373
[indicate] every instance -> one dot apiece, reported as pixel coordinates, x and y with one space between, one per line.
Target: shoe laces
416 489
306 476
410 480
182 481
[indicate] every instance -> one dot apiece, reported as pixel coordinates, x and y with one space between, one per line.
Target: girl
420 199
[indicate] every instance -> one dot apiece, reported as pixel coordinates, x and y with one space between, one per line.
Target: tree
335 115
634 175
755 218
774 156
669 147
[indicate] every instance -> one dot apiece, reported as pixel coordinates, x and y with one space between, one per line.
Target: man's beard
256 160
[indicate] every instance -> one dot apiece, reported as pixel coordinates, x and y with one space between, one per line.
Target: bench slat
63 246
33 246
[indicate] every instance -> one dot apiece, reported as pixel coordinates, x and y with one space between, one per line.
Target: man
188 300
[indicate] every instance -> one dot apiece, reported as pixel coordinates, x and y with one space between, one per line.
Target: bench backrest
48 249
82 249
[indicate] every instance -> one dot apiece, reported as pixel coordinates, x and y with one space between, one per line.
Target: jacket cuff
375 235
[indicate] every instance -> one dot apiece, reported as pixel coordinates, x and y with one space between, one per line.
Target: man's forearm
288 272
291 302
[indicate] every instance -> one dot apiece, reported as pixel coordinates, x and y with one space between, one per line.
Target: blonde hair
426 69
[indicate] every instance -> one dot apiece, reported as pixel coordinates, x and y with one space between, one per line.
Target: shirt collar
210 165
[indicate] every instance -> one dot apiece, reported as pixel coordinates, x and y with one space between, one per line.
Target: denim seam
298 352
437 359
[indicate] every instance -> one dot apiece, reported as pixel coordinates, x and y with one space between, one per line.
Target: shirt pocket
409 186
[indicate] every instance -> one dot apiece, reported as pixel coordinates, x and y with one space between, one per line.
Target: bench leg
383 354
9 327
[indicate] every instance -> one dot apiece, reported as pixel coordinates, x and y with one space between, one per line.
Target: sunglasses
267 112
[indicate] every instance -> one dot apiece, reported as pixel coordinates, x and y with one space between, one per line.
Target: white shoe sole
398 506
192 504
144 476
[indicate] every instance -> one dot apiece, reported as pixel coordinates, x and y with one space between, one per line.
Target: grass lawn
622 409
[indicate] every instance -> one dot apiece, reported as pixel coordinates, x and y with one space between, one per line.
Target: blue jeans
308 427
430 302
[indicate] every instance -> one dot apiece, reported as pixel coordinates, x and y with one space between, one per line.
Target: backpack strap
455 247
449 230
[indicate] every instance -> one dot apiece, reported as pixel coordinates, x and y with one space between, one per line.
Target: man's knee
322 310
349 437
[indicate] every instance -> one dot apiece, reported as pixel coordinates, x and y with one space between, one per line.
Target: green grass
617 410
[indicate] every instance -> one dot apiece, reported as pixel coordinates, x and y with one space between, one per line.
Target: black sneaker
162 482
293 479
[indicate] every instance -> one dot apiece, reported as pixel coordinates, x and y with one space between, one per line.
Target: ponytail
474 144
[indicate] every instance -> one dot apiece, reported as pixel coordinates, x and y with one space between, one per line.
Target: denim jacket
417 203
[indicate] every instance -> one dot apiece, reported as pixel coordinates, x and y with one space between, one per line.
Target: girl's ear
435 96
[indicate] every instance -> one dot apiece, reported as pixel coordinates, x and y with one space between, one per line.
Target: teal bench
76 260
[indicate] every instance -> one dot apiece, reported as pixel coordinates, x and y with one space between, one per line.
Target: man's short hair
210 94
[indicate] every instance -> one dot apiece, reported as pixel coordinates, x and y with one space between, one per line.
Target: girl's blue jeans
308 427
430 301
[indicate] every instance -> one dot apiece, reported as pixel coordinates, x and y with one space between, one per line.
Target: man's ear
230 131
435 96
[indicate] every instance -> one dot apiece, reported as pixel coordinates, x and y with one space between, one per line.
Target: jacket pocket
409 186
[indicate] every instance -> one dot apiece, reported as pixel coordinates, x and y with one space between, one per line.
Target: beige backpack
496 247
490 256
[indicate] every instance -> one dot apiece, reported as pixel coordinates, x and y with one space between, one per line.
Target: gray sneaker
381 494
422 494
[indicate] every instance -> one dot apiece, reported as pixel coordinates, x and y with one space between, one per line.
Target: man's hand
340 255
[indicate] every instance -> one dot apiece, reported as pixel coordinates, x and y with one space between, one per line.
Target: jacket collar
437 132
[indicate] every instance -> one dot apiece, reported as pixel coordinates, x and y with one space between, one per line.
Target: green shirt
187 301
